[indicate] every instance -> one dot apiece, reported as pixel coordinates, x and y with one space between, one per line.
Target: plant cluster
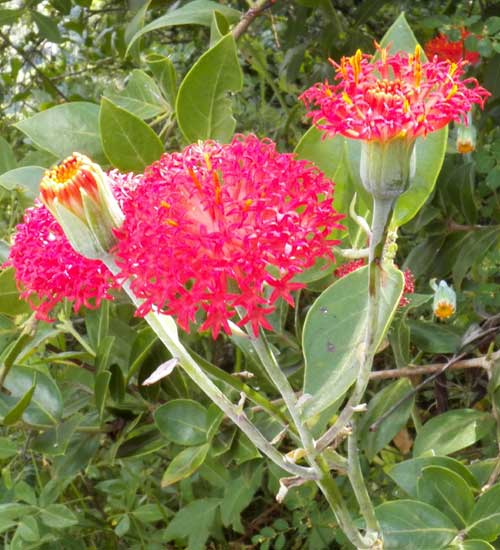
335 379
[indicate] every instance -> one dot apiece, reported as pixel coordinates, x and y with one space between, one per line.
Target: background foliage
89 457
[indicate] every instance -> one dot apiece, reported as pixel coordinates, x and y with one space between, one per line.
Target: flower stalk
165 328
324 481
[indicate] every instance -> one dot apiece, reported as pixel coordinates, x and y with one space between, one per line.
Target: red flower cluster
220 228
444 49
409 286
349 267
48 270
384 97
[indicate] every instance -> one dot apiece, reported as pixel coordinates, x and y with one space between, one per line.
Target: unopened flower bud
445 300
78 194
466 138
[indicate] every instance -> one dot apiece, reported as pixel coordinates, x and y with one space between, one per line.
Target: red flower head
445 50
384 97
409 283
48 270
221 227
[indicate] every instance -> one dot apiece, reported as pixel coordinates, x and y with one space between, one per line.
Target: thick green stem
382 213
337 504
357 481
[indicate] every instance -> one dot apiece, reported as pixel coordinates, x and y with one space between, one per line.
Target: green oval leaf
28 529
182 421
7 158
329 155
26 178
194 522
238 494
129 143
400 37
433 338
473 545
413 524
135 25
198 12
17 410
481 470
430 152
184 464
8 448
10 303
448 492
7 17
326 153
406 473
141 96
46 403
46 27
145 443
373 442
164 72
55 441
101 391
335 328
66 128
58 516
203 108
452 431
484 522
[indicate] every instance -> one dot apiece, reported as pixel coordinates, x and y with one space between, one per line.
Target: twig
476 362
40 73
249 16
413 391
87 69
453 227
351 253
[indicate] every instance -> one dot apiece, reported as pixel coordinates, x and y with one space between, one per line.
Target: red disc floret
218 230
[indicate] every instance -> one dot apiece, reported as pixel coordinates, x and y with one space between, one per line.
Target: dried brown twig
250 15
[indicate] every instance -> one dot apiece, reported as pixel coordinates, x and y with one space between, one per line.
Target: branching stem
166 330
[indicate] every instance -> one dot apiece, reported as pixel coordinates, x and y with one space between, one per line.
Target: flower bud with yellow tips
466 139
78 194
445 300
